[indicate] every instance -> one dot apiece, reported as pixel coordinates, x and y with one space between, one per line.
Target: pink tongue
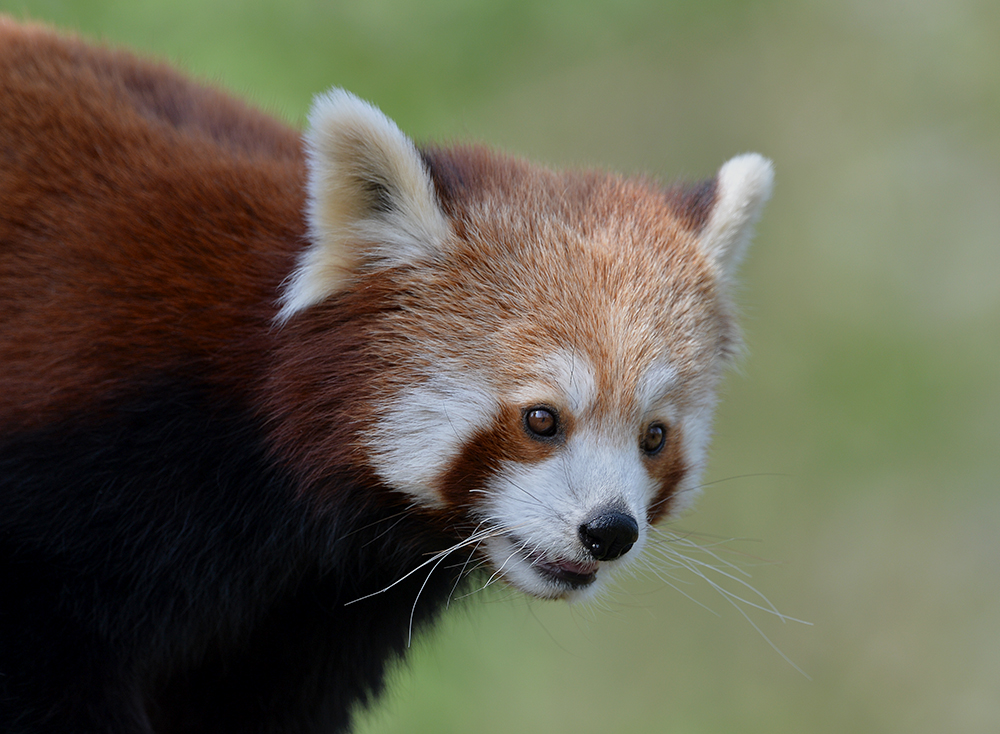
583 569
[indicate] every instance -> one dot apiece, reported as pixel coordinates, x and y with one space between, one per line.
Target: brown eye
655 437
541 422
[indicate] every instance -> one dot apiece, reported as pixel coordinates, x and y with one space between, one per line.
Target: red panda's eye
655 437
541 422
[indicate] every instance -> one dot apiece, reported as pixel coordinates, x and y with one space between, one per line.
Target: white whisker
472 539
413 609
462 573
675 550
499 571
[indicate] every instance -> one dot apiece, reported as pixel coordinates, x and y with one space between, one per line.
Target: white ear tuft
743 186
371 200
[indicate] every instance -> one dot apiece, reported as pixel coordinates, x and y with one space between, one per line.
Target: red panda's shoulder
147 219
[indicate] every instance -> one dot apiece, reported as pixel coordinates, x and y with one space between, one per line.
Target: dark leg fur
157 574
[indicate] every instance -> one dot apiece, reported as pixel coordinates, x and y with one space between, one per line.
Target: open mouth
566 572
546 574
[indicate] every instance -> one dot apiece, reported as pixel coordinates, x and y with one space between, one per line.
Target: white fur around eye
655 387
565 378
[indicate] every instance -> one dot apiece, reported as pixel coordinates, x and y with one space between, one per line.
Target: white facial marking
565 378
697 434
655 388
425 427
538 507
543 504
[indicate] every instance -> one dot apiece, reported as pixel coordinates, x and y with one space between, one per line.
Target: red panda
264 399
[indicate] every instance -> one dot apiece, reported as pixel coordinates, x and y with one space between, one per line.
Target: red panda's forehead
611 277
622 297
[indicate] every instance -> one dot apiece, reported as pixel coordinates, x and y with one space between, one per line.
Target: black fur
160 573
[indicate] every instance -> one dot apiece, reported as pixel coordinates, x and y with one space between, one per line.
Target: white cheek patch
697 434
424 428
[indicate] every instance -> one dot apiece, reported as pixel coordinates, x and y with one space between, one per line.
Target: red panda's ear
371 200
742 187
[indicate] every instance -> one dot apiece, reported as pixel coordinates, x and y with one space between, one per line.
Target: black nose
609 535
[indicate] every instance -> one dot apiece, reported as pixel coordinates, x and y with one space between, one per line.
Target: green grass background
857 454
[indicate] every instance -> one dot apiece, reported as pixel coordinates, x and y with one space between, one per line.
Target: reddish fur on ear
692 204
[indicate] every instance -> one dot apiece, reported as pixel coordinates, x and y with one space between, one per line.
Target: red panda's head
549 344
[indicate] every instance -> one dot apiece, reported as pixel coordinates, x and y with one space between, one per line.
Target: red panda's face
560 521
550 345
553 392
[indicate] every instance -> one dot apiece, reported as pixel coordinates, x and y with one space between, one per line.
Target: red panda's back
145 224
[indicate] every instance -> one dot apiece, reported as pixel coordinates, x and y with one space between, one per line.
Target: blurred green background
855 468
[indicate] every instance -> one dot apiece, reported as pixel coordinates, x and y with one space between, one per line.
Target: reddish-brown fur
564 219
176 165
194 485
144 163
